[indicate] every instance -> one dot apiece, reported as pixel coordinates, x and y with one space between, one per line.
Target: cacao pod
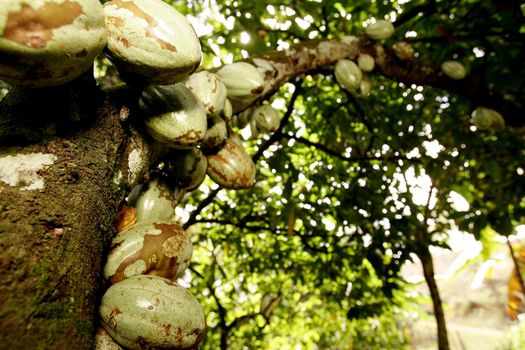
187 168
151 312
365 87
348 74
228 110
404 51
209 89
49 43
216 133
174 116
486 118
243 81
155 202
231 167
453 70
244 118
150 42
380 30
159 249
266 118
365 62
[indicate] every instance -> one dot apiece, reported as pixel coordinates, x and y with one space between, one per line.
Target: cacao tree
353 183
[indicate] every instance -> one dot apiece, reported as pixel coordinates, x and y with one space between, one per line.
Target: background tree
348 188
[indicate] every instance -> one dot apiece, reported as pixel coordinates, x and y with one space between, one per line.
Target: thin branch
326 20
467 36
278 134
203 204
277 230
242 319
423 10
331 152
516 265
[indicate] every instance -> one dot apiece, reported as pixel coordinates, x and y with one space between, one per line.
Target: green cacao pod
228 110
209 89
266 118
155 202
174 116
486 118
48 43
150 42
365 87
187 168
348 74
380 30
365 62
150 312
244 118
453 70
243 81
216 133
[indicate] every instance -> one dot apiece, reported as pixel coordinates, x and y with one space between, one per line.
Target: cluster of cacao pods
156 51
350 75
50 43
144 307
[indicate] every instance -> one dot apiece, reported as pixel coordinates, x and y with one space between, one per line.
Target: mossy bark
52 239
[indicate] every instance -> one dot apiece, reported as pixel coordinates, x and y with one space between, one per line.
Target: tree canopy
352 186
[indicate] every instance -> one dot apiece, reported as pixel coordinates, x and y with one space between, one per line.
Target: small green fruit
486 118
266 118
348 74
209 89
365 62
243 81
380 30
216 133
187 169
155 202
454 70
365 87
231 167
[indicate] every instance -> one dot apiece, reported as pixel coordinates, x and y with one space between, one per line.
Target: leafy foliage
350 186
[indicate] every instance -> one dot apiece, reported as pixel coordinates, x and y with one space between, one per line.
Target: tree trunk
58 198
428 271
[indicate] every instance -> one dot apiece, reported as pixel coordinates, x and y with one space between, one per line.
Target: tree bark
428 271
58 198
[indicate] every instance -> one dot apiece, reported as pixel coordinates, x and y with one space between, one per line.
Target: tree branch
329 151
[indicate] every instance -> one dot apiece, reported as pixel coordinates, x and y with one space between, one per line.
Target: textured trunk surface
58 197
